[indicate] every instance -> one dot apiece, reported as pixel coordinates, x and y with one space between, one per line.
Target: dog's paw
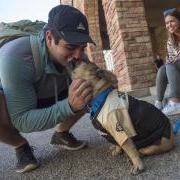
115 150
135 170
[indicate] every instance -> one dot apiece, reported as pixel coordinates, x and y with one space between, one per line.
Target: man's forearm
42 119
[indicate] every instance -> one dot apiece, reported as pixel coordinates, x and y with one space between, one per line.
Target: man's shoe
67 141
25 159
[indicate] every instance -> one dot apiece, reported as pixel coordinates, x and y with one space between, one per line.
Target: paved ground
92 163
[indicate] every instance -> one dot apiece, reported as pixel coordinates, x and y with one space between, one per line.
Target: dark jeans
43 103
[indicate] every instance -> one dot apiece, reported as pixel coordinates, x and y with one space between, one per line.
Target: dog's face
99 78
90 71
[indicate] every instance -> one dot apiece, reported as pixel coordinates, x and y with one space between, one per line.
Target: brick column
130 43
90 9
67 2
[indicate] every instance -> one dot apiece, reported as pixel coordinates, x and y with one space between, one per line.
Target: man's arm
17 77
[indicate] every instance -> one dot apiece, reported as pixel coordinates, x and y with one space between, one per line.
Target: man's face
63 51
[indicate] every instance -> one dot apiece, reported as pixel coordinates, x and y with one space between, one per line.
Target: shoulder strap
36 56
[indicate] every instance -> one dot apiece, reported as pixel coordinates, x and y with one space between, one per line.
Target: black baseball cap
70 24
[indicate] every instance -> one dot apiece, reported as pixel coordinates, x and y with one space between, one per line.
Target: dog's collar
98 101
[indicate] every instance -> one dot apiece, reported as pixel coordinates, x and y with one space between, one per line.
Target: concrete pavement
92 163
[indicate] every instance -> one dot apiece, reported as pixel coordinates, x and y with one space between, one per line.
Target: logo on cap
81 26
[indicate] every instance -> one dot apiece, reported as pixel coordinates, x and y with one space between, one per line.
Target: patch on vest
118 127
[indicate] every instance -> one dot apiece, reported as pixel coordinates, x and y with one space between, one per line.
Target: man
30 103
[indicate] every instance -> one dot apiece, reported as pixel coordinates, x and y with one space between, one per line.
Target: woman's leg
161 83
173 75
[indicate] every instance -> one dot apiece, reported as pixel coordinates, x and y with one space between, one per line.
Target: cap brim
77 38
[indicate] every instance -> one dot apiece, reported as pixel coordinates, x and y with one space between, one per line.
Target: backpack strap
36 56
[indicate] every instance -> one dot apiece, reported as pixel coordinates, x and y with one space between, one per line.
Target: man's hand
80 93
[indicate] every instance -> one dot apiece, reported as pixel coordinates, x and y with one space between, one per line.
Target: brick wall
90 9
68 2
130 40
130 43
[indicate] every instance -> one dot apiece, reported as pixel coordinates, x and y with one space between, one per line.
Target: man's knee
8 134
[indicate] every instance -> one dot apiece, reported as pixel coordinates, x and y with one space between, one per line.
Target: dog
134 126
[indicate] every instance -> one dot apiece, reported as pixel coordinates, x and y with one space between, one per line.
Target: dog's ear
106 75
100 73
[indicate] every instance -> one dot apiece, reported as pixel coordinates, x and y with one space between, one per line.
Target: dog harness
97 103
149 124
106 103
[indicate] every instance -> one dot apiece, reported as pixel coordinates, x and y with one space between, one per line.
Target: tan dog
135 126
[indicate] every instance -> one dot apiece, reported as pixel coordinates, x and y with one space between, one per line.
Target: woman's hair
175 13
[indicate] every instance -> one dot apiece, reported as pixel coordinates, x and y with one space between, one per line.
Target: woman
170 72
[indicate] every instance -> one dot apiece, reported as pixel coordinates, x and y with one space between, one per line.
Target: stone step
144 92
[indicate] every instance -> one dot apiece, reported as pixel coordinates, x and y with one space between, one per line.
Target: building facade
128 35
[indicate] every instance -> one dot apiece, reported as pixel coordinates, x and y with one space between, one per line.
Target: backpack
11 31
